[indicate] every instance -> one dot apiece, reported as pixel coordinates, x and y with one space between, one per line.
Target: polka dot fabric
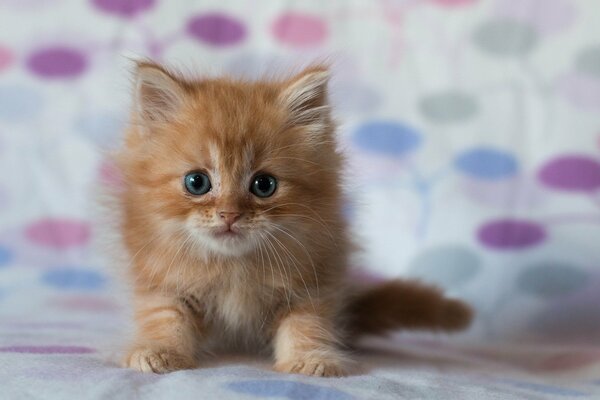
472 129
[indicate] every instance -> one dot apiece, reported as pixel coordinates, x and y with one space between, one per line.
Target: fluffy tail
401 304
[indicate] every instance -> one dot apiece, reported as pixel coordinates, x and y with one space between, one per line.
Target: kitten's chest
239 306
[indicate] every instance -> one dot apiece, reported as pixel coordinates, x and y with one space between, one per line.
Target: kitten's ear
305 97
158 94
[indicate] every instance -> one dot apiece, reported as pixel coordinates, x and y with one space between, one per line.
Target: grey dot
505 37
550 279
446 266
449 106
588 61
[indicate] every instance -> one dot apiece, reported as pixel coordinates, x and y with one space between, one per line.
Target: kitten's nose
229 216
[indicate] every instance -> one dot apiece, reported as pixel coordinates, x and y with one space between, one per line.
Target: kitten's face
235 166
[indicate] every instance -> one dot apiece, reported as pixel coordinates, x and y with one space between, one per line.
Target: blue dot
19 103
386 137
6 256
487 163
287 389
73 278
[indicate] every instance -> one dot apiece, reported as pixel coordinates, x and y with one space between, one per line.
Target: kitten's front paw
158 360
314 367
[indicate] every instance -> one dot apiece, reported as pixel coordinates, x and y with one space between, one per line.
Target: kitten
232 218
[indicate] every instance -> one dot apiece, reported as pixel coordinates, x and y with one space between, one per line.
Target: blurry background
472 126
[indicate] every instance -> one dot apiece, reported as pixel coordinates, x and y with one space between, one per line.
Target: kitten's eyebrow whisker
303 160
304 144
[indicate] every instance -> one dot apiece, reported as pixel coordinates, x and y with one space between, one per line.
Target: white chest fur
238 310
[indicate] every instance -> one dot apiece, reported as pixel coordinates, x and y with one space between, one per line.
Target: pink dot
110 176
83 303
46 349
6 57
300 30
58 233
453 3
507 234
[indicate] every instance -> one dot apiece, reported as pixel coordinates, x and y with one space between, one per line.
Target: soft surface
472 129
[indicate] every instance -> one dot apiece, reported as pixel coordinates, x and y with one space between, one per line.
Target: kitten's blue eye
263 185
197 183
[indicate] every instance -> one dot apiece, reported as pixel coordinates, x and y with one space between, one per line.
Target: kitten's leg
306 343
167 335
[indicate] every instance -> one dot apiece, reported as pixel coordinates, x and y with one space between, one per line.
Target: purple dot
47 349
57 62
576 173
124 8
510 234
216 29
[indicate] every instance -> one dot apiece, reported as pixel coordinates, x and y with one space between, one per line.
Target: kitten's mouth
226 233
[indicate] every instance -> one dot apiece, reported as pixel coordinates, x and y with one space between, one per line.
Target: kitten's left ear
305 97
159 94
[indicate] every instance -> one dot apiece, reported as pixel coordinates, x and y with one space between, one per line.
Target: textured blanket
472 129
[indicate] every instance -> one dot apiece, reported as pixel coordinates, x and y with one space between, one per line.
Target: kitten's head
231 165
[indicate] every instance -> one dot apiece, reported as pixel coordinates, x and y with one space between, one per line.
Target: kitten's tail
399 304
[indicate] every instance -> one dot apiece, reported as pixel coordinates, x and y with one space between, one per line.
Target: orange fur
280 281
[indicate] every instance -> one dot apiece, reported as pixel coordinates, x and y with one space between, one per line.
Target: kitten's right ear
158 94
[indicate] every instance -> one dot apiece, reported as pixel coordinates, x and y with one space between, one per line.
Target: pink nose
229 216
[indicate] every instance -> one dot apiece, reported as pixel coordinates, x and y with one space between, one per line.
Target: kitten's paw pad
324 368
147 359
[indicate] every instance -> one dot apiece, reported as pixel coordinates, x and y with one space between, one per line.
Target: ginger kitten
232 219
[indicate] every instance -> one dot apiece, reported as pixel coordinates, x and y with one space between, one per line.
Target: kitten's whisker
303 247
263 260
144 266
286 288
183 243
296 264
323 222
264 279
